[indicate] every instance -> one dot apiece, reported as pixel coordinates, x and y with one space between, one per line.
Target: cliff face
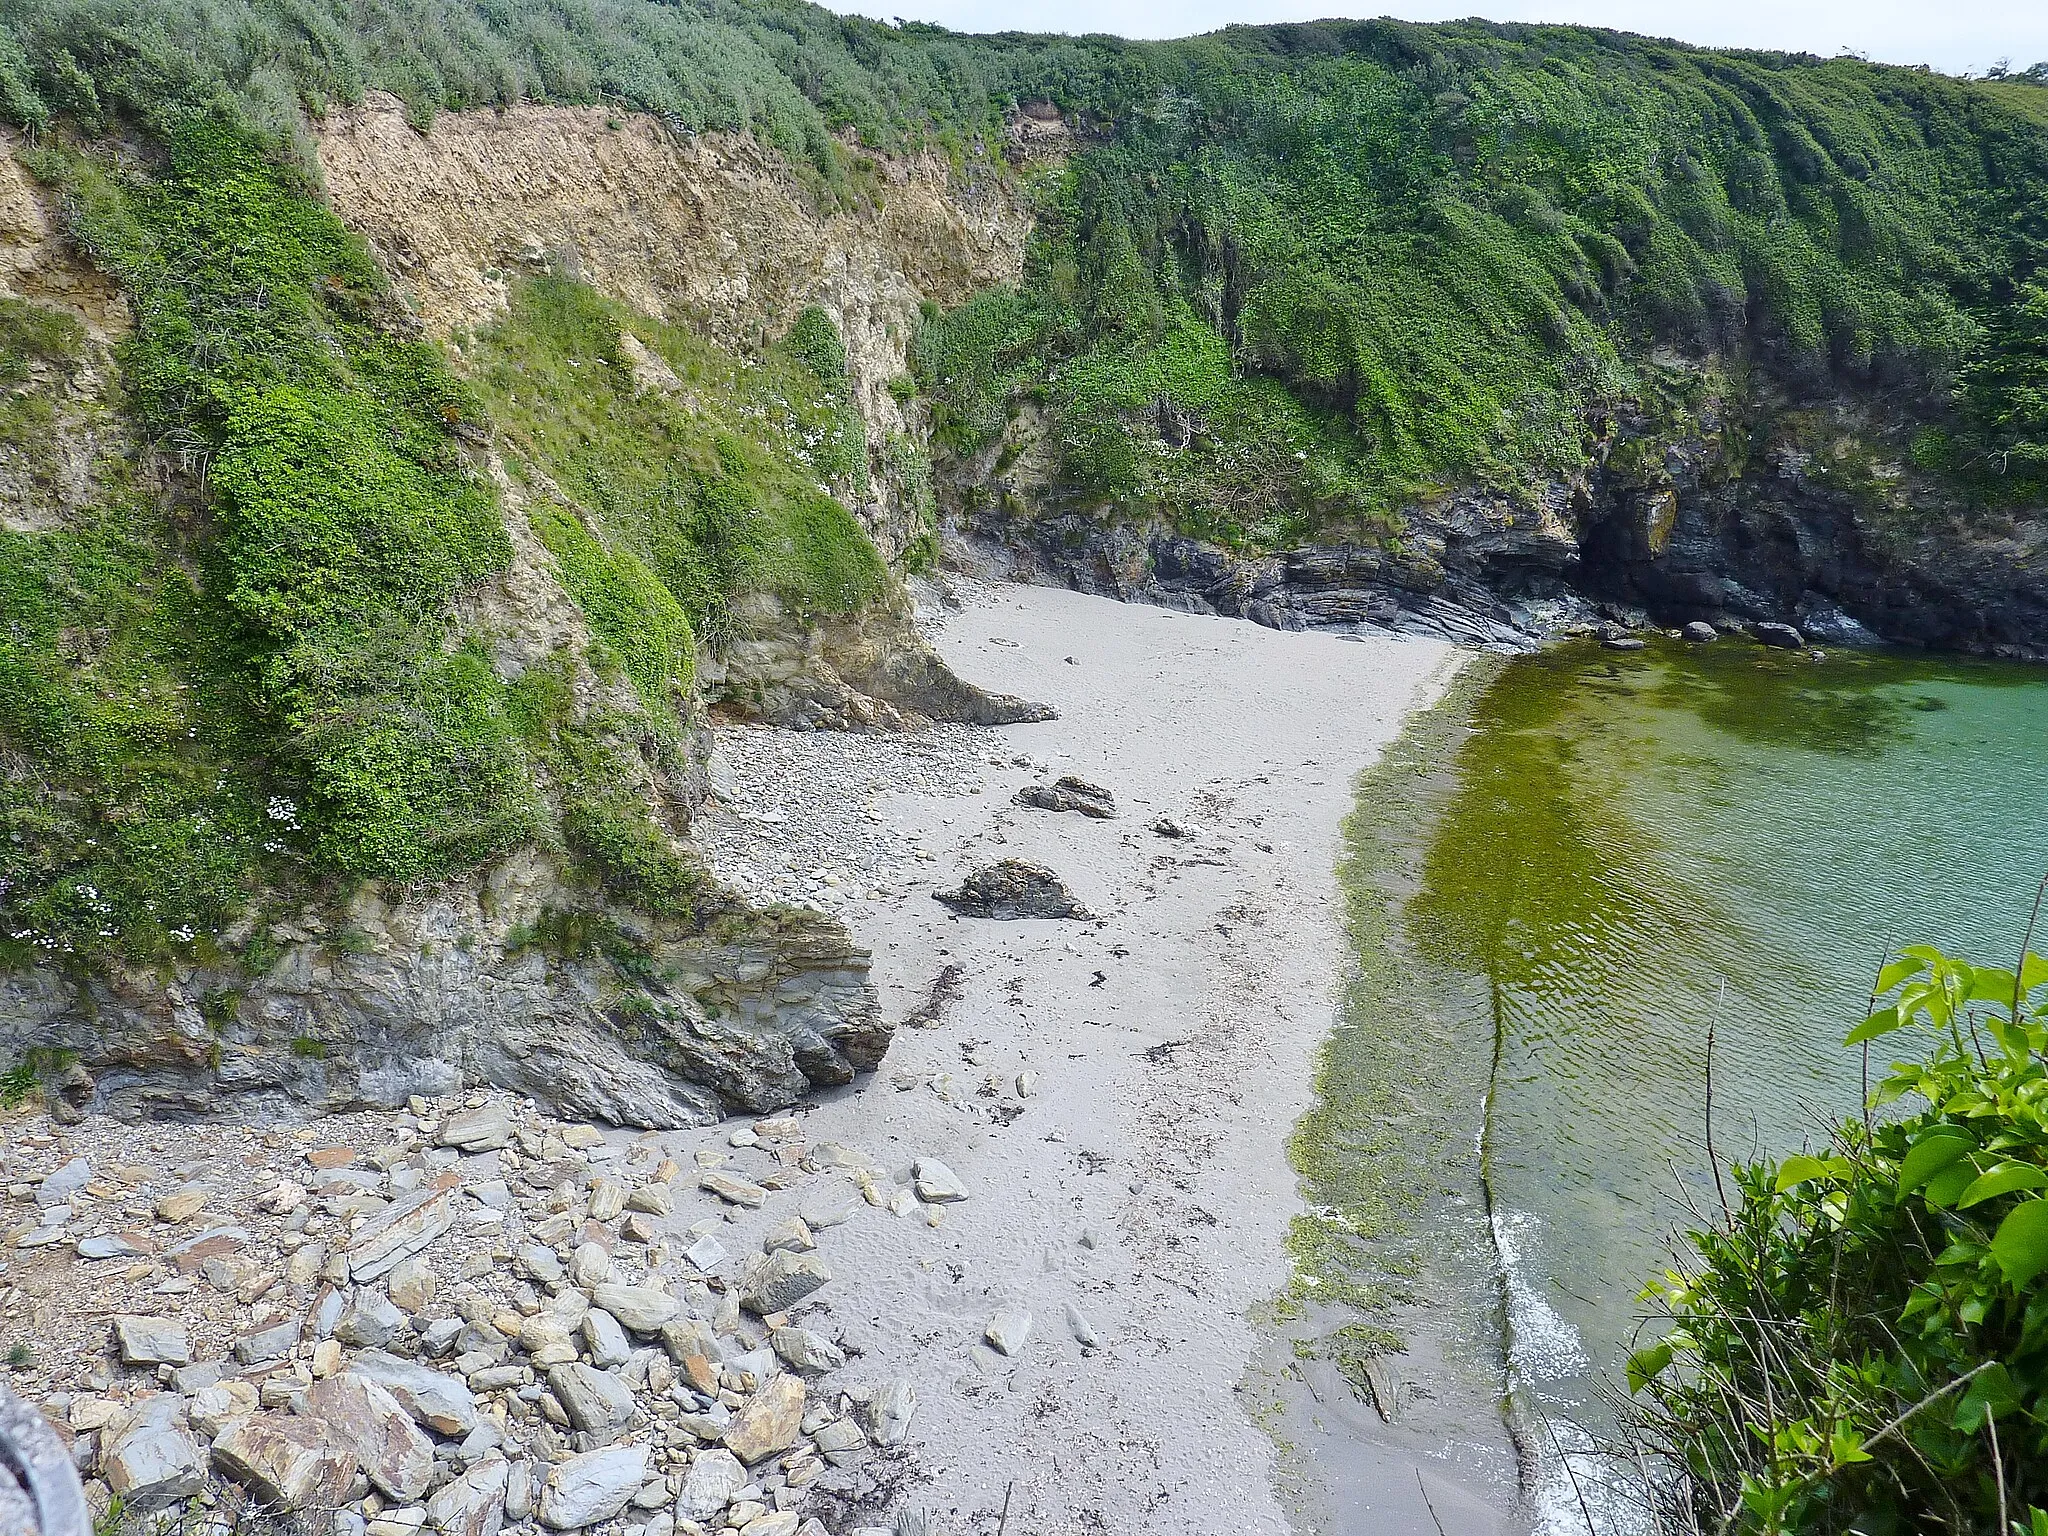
1768 503
537 971
709 231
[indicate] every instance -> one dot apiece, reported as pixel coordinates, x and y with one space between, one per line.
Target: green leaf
1930 1154
1991 1392
1947 1186
1798 1169
2002 1180
1882 1022
2021 1246
1646 1365
1897 972
1989 984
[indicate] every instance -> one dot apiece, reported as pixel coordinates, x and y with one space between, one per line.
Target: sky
1956 36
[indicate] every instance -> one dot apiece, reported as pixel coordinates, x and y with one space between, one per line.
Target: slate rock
403 1229
1069 794
434 1398
594 1486
472 1505
154 1460
1013 889
290 1463
478 1130
732 1189
890 1411
713 1479
802 1350
113 1245
607 1341
1009 1331
641 1308
781 1280
595 1400
394 1453
770 1421
371 1323
152 1340
936 1184
267 1343
1780 636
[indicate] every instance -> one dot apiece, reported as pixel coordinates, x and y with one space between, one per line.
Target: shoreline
1175 1044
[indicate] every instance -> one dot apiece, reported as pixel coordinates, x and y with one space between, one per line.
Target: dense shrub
1863 1344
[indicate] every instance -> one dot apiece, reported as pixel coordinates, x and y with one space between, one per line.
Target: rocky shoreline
462 1317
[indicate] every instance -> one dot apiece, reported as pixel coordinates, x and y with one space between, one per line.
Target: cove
1560 884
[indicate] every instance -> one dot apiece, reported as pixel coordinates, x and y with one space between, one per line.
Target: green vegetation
1333 269
1862 1345
699 490
265 346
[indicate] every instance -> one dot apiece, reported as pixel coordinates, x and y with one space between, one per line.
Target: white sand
1164 1092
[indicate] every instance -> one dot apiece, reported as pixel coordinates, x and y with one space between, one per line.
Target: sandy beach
1138 1191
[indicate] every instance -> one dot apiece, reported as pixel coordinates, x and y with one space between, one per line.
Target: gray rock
520 1487
371 1323
267 1343
1700 633
732 1189
196 1378
808 1352
691 1336
594 1486
1009 1331
607 1340
1082 1330
831 1205
478 1130
154 1460
393 1452
112 1245
436 1399
641 1308
595 1400
781 1280
405 1228
438 1338
1781 636
890 1411
713 1479
1069 794
287 1462
152 1340
841 1441
590 1265
63 1183
1012 889
540 1264
936 1184
472 1505
790 1233
707 1253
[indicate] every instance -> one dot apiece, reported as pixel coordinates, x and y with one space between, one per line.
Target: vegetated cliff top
1396 256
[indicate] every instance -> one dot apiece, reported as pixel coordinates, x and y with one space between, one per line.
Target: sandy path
1171 1046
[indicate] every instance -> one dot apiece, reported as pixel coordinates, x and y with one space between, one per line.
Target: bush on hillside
1863 1344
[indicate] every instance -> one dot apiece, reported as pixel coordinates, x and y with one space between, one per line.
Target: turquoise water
1643 847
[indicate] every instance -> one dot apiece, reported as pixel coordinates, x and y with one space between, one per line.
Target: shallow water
1641 846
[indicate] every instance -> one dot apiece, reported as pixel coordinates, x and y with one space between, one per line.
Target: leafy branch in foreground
1863 1344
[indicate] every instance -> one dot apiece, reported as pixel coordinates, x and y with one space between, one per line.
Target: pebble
1009 1331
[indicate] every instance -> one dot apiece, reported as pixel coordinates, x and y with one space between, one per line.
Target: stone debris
936 1184
1009 1331
151 1341
1781 636
473 1320
1011 889
1069 794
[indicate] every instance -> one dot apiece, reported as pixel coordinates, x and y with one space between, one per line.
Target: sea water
1643 848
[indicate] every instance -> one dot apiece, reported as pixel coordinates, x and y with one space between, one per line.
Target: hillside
421 414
